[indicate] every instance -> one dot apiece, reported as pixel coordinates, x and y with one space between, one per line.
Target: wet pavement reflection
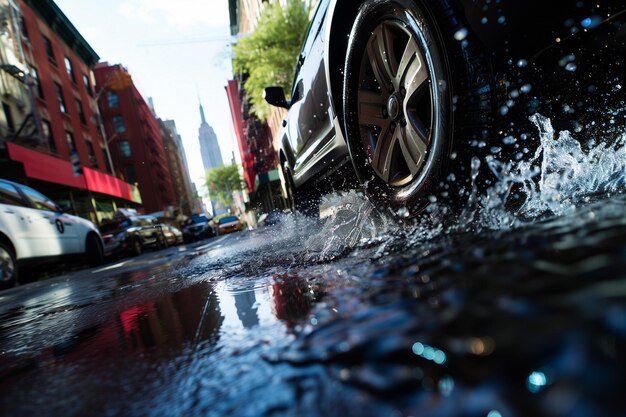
530 321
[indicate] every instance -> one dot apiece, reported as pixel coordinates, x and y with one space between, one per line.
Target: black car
197 227
413 95
132 234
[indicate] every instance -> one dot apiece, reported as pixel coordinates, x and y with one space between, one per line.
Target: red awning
48 168
44 167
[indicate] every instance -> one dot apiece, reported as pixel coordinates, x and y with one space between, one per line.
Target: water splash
560 177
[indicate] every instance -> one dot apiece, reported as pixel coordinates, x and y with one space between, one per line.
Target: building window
87 84
93 162
49 51
81 113
118 124
47 135
8 115
113 99
107 162
35 76
70 141
23 28
124 148
60 97
69 69
129 174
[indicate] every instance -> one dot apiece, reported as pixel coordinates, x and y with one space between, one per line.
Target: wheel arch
5 239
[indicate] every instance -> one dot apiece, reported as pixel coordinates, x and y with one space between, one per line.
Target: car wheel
8 267
162 242
398 103
137 248
94 251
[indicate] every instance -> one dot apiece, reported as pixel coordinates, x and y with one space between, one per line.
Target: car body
229 224
197 227
172 234
33 230
410 95
132 234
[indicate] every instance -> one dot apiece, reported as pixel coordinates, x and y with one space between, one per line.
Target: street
345 316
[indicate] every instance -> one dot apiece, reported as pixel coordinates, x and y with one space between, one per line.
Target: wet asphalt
346 316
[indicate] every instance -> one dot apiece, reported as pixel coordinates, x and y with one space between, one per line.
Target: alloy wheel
395 103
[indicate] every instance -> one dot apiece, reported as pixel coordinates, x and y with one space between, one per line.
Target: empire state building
209 148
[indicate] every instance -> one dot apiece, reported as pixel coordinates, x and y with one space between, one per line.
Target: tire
162 242
300 200
93 250
404 135
137 247
8 267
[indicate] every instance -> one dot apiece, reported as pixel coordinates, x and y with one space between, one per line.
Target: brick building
136 141
177 169
51 138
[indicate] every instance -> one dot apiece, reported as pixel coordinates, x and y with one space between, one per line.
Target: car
130 234
411 96
35 230
229 224
272 218
173 236
197 227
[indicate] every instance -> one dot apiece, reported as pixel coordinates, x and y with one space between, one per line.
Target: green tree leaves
223 181
269 54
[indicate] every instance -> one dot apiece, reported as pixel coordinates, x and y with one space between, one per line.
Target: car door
308 121
14 219
54 233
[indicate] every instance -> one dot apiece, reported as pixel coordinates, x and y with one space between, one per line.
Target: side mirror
64 207
276 97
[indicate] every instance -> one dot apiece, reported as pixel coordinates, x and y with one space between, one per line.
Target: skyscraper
209 148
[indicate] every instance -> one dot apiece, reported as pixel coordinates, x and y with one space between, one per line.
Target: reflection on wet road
305 319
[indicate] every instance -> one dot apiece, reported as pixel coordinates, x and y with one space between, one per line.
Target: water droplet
522 63
571 67
536 381
460 34
403 212
484 20
504 110
526 88
502 20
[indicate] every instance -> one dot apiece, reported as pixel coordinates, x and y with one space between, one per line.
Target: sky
176 52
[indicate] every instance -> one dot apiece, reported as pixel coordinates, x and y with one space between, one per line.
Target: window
87 84
70 141
60 97
93 162
9 195
81 113
124 148
113 99
49 51
23 27
47 134
118 124
8 115
39 201
129 174
69 69
35 76
107 162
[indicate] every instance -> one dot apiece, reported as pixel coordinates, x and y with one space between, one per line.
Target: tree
223 181
269 54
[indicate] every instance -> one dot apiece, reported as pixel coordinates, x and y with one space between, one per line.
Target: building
186 191
256 139
135 138
209 148
50 133
178 173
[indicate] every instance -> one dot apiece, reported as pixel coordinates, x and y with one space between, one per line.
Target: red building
66 155
257 152
177 169
135 139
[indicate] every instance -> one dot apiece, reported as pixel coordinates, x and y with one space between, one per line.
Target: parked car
34 229
131 235
229 224
173 236
410 95
197 227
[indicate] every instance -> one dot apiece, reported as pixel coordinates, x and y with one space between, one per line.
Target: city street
350 315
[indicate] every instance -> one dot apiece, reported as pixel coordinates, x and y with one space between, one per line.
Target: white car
33 229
